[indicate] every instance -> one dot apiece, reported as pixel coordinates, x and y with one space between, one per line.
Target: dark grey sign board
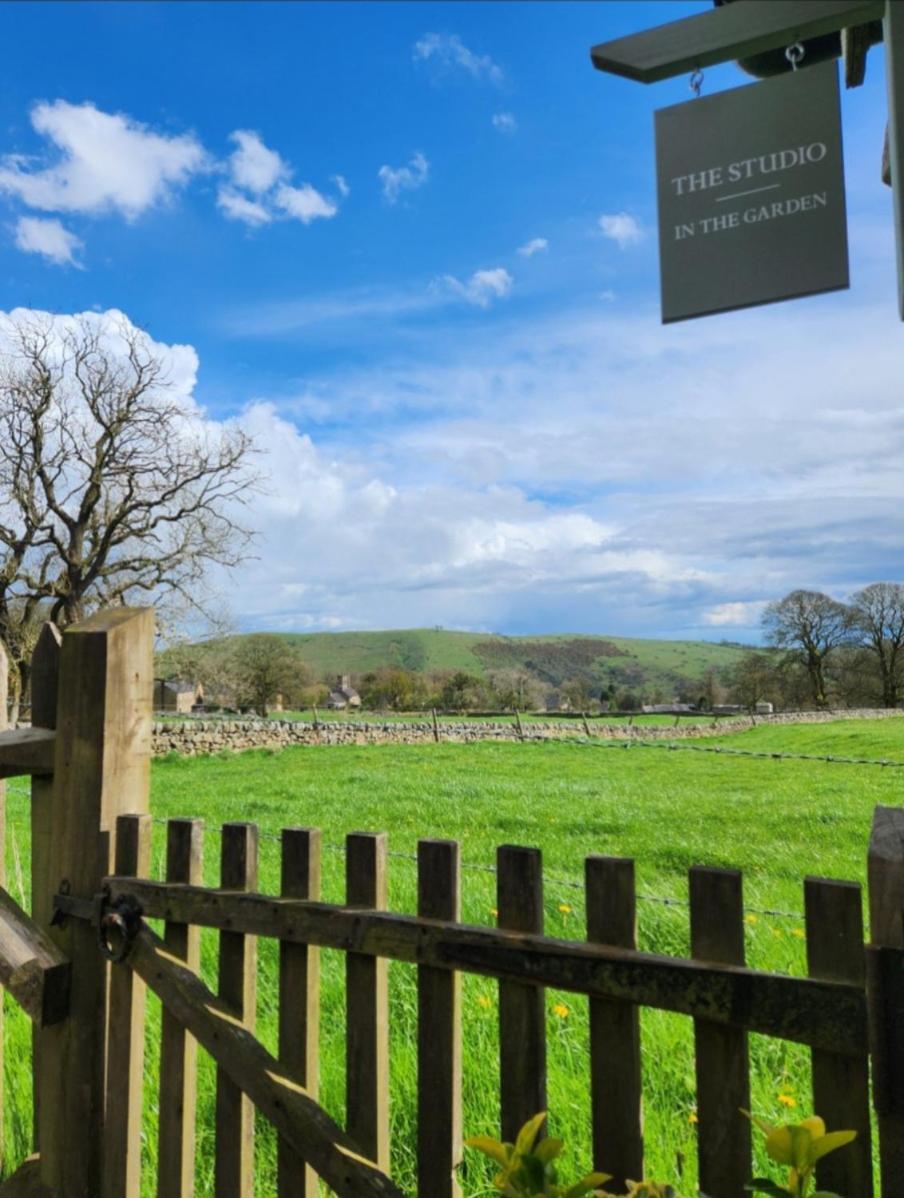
751 195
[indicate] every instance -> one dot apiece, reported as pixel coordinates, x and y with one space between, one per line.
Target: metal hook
696 82
794 54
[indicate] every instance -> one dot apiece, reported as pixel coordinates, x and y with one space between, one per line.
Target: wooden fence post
101 769
886 991
45 677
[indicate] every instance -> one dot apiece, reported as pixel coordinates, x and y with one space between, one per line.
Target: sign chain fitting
696 82
794 54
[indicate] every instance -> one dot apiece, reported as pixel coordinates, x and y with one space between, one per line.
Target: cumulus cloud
254 166
48 237
449 53
395 180
622 228
259 190
240 207
535 246
482 287
106 162
304 203
504 122
734 615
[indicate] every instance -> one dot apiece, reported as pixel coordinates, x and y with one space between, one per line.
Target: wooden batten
298 1119
26 751
32 968
810 1011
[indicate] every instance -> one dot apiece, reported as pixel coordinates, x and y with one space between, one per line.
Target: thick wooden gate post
886 991
101 770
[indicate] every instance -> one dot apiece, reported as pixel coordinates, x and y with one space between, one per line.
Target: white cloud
483 286
622 228
259 191
534 246
253 165
108 162
304 203
734 615
240 207
38 235
404 178
504 122
450 53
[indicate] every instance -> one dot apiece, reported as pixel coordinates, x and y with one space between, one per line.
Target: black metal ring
125 918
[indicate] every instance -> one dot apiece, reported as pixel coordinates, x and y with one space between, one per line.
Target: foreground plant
527 1168
799 1146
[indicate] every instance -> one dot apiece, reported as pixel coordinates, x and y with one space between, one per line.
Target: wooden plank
522 1005
234 1151
885 867
101 768
26 751
45 678
893 31
840 1084
299 1002
125 1042
367 1007
823 1014
722 1066
439 1133
32 968
178 1050
737 30
25 1182
615 1074
288 1106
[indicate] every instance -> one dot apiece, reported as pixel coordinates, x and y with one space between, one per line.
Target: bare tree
809 626
111 486
878 612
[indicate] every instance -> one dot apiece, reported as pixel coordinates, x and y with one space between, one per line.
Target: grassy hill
624 661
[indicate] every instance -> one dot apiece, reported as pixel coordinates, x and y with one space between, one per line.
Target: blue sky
412 247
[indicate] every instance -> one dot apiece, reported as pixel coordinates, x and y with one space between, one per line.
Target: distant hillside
631 662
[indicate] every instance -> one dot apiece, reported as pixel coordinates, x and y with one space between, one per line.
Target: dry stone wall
198 736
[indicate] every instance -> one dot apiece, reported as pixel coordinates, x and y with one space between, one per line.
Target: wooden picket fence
88 754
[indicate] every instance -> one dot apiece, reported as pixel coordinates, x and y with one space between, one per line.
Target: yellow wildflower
751 919
798 932
561 1010
787 1100
692 1117
494 911
484 1001
565 908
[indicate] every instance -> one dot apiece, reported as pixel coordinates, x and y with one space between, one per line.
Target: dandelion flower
561 1010
692 1117
787 1100
565 908
494 911
798 932
484 1001
751 919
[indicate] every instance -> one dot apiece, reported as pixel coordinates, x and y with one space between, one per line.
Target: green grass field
777 820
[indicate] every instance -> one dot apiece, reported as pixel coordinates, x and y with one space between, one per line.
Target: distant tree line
820 653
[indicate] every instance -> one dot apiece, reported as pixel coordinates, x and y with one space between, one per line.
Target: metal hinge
117 923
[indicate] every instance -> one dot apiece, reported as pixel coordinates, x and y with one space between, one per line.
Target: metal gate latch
117 923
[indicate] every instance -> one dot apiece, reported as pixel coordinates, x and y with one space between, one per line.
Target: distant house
179 697
667 708
344 695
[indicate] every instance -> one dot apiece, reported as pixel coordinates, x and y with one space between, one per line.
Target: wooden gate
88 754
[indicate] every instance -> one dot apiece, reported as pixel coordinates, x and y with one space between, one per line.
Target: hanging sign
751 195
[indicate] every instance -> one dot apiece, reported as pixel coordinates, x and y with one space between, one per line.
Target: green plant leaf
547 1150
586 1184
830 1141
528 1133
494 1149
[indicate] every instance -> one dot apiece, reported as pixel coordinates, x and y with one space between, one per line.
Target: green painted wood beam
734 31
